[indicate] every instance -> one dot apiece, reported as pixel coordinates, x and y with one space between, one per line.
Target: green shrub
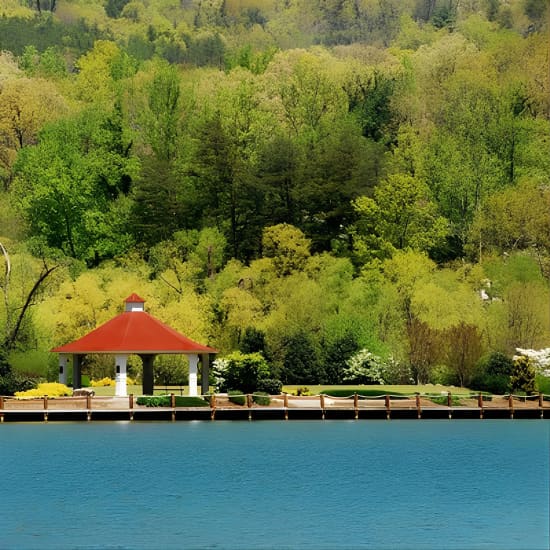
261 398
493 374
12 383
240 370
444 400
190 401
166 401
236 397
543 384
154 400
271 386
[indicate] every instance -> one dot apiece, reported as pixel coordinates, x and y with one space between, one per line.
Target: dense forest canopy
303 178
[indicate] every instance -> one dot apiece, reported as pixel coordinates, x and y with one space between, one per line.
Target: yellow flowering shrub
131 381
103 382
51 389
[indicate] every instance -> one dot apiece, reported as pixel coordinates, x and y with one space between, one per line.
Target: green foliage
16 33
237 397
543 384
154 400
11 383
166 401
493 374
234 158
523 376
239 371
252 341
261 398
337 352
300 359
288 247
270 386
114 8
72 185
170 370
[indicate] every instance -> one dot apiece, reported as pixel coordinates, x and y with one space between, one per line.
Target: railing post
418 407
387 402
511 404
1 408
480 404
285 404
88 407
213 406
322 403
45 401
131 405
541 404
249 405
173 406
356 405
449 403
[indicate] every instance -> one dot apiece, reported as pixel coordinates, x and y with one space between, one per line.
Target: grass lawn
313 389
137 390
382 389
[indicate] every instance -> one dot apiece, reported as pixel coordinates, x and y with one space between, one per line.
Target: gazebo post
193 362
63 368
148 385
205 373
120 376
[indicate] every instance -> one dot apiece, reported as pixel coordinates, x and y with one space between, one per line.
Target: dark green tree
301 360
113 8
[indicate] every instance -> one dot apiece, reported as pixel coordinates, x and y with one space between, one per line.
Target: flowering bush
103 382
51 389
365 368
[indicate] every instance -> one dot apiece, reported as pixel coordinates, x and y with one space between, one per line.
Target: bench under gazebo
135 332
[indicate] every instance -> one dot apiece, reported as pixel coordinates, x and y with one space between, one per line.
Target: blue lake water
276 485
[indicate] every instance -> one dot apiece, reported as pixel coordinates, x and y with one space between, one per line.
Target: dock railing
283 406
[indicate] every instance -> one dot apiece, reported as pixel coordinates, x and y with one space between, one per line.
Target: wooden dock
282 407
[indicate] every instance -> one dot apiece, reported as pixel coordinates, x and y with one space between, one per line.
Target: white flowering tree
365 368
218 371
539 358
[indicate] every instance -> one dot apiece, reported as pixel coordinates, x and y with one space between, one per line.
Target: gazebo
135 332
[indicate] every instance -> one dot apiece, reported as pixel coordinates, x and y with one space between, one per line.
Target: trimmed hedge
236 397
261 398
166 401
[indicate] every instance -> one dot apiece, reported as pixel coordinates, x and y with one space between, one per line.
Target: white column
120 376
193 363
63 368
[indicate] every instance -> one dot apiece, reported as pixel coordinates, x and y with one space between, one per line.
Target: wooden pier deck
283 407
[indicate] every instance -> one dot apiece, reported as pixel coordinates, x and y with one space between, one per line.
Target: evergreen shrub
236 397
271 386
261 398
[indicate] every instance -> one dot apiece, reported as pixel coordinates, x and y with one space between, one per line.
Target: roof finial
134 303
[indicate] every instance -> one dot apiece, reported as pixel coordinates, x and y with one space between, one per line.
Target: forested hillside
304 178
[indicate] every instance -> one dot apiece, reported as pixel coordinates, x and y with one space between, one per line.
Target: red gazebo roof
134 332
